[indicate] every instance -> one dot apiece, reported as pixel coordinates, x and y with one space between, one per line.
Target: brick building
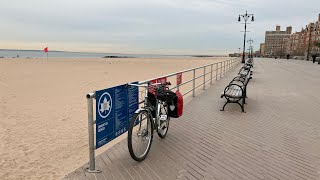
275 41
262 49
298 43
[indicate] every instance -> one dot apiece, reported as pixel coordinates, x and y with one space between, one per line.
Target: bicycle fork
156 118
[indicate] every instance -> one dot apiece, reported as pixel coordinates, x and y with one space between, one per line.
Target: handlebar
149 84
164 83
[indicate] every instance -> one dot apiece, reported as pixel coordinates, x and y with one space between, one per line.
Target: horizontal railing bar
186 82
199 85
195 78
92 95
207 80
175 87
184 71
198 77
187 92
207 73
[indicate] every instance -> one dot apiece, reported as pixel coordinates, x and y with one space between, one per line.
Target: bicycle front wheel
140 135
163 119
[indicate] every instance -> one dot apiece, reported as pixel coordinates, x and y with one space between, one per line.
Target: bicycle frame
148 106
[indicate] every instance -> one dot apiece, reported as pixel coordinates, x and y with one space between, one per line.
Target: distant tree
317 44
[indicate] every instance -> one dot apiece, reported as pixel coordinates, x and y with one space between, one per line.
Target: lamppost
250 41
251 47
310 29
245 17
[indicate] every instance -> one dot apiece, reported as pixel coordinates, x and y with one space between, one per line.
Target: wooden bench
236 91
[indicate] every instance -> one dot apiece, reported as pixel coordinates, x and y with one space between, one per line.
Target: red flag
45 49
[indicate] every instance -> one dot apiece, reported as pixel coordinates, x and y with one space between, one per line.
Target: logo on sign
105 105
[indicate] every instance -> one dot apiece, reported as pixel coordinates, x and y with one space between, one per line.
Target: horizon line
119 53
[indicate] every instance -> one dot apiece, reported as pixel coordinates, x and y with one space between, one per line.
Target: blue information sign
114 108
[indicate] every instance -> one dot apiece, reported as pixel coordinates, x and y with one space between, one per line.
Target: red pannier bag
176 107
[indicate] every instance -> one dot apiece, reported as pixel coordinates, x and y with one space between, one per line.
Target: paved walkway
278 137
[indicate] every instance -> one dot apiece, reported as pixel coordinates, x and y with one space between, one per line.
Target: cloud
146 26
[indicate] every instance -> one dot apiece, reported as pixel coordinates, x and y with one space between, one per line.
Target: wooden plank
112 169
105 171
116 163
124 159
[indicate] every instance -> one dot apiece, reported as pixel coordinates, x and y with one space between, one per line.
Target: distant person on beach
314 56
288 55
17 55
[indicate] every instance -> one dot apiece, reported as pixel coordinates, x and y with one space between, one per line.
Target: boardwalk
278 137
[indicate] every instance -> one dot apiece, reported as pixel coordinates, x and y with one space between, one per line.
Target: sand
43 110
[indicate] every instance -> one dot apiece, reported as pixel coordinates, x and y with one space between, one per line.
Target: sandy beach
43 110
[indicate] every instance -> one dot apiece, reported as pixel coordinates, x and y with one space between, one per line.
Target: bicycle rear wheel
164 120
140 135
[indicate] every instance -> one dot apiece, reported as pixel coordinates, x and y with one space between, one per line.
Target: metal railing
216 71
221 68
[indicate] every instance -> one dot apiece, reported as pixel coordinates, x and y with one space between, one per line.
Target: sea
12 53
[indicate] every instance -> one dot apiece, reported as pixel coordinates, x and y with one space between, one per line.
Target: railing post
220 69
216 71
178 84
224 67
204 78
211 75
194 83
92 163
228 65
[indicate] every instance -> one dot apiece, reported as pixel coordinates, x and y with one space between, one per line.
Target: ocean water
63 54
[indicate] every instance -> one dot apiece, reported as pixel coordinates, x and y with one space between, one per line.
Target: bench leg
242 107
244 97
224 106
243 102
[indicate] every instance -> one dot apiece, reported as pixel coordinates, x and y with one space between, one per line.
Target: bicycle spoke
141 140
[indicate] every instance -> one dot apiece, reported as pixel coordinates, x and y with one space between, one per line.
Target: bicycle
145 121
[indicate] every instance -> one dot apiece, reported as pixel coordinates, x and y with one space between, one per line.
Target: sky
146 26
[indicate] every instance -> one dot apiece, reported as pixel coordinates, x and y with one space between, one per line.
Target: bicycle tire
131 131
160 134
